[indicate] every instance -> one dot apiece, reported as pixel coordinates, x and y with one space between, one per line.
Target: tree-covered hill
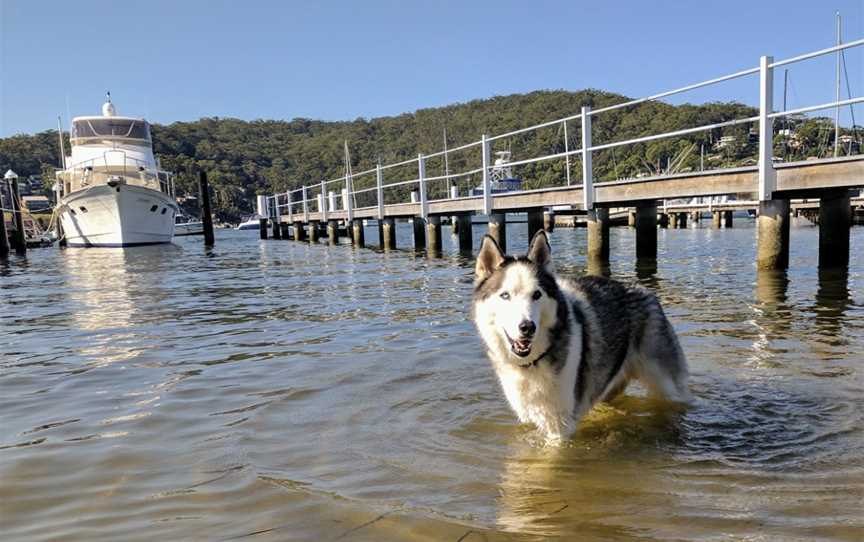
245 158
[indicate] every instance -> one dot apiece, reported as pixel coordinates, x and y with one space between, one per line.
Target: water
281 391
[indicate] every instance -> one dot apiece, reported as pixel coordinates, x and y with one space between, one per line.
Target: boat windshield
111 128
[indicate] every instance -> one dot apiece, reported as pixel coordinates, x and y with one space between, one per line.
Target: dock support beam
333 232
419 227
358 234
498 229
262 227
835 219
598 235
299 231
535 222
277 230
206 214
549 221
631 219
433 234
772 247
466 239
4 241
727 219
314 230
715 219
682 220
646 232
673 220
286 231
388 234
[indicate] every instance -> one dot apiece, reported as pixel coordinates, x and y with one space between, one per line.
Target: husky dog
560 346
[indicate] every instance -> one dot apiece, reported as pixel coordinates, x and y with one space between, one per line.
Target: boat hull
118 216
189 228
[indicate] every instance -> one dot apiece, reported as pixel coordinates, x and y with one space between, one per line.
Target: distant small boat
250 223
187 225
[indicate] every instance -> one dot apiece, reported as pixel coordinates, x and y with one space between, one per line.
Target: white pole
487 181
446 160
567 151
587 168
322 199
305 206
424 203
837 93
379 179
767 175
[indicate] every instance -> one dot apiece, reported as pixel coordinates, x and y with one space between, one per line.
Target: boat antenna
62 150
108 96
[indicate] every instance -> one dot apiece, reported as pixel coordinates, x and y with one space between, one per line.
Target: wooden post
286 230
498 229
419 226
332 232
314 231
299 231
598 235
19 240
631 219
549 221
388 234
433 234
4 240
772 247
466 240
673 220
535 222
663 220
358 236
206 214
682 220
277 229
727 219
835 219
646 231
715 219
262 227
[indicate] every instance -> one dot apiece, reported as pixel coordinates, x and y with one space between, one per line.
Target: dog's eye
505 295
537 295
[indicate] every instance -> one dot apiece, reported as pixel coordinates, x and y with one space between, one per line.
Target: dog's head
516 300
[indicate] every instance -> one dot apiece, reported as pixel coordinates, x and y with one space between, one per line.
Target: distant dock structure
824 189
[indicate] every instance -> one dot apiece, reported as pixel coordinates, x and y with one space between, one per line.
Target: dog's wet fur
559 346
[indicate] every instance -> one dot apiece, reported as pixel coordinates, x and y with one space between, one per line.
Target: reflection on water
279 390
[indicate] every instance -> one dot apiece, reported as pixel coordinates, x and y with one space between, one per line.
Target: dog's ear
540 252
489 258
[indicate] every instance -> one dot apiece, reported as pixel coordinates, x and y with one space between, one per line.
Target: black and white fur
560 346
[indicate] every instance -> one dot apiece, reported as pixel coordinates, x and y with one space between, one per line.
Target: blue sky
182 60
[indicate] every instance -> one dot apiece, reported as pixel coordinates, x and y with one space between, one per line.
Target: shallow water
280 391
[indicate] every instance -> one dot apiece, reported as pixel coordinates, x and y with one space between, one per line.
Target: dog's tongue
523 344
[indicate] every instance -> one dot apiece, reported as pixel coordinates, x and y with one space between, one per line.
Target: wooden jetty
346 202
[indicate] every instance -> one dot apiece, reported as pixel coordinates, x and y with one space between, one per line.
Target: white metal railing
323 200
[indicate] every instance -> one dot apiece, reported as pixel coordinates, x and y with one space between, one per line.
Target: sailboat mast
62 149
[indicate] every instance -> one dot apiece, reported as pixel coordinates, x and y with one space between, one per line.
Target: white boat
250 223
111 192
187 225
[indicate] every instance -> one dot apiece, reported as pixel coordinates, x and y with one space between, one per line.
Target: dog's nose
527 328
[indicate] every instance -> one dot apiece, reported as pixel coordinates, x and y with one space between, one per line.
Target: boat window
164 210
111 127
153 209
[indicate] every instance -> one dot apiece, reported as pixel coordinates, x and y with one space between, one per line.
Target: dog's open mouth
521 347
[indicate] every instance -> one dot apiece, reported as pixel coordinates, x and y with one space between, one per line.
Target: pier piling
549 221
498 229
433 234
419 227
535 222
206 213
727 219
314 231
286 230
299 231
358 235
333 232
646 231
772 246
631 219
598 235
262 227
4 241
19 242
466 238
388 234
277 229
835 219
715 219
682 220
673 220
